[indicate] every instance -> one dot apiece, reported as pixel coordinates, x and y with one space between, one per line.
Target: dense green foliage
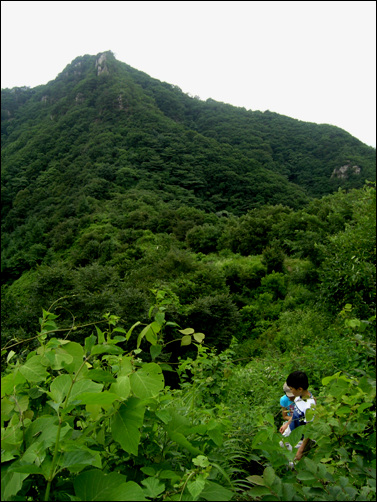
95 421
131 211
89 137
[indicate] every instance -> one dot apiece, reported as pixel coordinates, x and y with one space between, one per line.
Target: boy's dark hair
298 379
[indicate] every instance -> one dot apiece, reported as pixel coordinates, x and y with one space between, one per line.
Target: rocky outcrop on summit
343 172
101 65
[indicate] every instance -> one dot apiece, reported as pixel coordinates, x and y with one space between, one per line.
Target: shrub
84 419
302 272
217 317
275 283
203 238
243 278
177 262
273 259
348 271
205 281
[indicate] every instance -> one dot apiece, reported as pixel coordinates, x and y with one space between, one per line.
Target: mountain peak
88 63
101 64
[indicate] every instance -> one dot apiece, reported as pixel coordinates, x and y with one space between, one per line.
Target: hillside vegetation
166 263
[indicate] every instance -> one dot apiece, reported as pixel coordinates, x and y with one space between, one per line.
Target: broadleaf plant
77 419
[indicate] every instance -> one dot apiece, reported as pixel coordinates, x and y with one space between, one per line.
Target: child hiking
286 403
303 400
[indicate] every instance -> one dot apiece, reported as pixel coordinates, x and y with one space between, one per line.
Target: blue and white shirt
299 413
301 406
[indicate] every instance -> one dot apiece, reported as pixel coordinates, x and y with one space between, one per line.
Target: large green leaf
59 388
258 480
130 491
122 387
11 438
58 358
104 398
100 376
180 439
125 425
215 493
84 386
34 455
11 483
196 486
339 387
199 337
10 381
77 457
288 491
256 492
77 352
168 474
155 351
126 367
269 476
26 469
153 487
129 332
306 476
44 429
150 332
148 381
186 340
33 370
187 331
178 423
156 326
101 336
89 343
94 485
217 436
7 407
163 415
178 428
160 318
106 349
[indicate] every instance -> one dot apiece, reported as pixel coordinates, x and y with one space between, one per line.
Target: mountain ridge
104 124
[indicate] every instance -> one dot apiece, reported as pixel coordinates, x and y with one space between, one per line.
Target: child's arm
284 412
284 427
301 450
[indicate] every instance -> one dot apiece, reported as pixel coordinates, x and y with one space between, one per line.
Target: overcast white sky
310 60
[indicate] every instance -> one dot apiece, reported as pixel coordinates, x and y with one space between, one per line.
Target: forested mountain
166 263
102 128
100 113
